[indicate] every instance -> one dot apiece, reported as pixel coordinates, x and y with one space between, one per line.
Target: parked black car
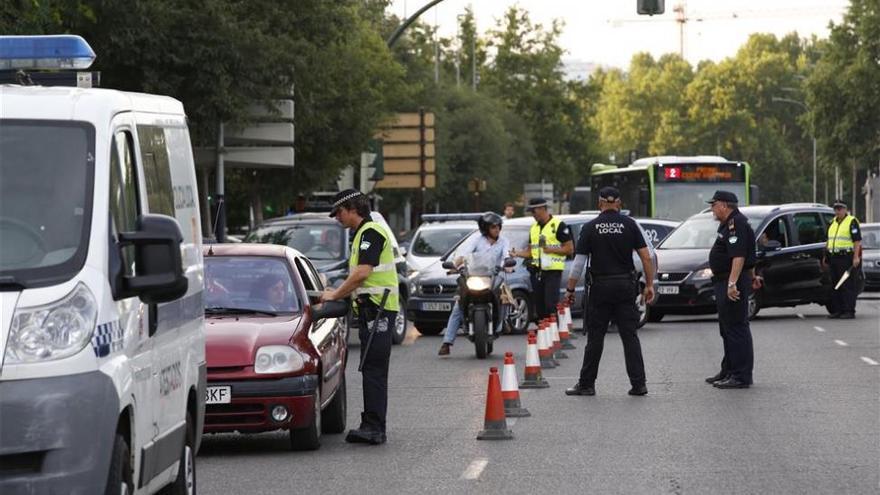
790 245
327 245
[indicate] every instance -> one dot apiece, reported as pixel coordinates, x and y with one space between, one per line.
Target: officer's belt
841 253
612 276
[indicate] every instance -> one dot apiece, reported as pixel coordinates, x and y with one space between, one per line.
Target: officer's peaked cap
839 203
536 203
343 196
726 196
609 193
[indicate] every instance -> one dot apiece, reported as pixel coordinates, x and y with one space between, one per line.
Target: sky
609 32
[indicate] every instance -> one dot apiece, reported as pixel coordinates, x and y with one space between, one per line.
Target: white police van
101 318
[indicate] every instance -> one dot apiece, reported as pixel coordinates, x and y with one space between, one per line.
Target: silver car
871 255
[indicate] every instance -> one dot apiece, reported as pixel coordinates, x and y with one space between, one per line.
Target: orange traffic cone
510 390
564 335
495 423
533 378
569 322
545 353
557 341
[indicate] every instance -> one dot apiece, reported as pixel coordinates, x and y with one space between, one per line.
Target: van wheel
119 480
333 417
185 483
399 328
308 438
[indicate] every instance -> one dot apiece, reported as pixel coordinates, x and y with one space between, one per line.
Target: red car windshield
249 283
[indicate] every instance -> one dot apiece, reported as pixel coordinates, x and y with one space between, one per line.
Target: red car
275 360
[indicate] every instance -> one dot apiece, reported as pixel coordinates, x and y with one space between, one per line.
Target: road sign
407 150
410 181
409 166
407 135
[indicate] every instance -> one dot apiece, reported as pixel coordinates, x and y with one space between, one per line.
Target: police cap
609 194
536 203
726 196
342 197
839 203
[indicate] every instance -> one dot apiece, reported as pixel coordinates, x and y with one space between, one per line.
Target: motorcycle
478 290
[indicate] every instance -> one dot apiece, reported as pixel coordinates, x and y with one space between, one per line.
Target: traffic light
651 7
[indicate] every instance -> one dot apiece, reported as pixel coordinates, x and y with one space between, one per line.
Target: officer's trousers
613 298
375 372
843 300
733 321
545 289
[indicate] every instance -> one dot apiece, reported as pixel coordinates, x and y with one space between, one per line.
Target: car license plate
436 306
218 395
667 289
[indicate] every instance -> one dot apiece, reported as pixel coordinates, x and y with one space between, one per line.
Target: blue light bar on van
65 51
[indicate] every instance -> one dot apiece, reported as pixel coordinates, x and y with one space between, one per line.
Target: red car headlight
277 359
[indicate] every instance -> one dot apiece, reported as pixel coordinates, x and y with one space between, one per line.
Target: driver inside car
490 241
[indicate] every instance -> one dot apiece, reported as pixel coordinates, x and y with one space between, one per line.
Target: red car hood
233 340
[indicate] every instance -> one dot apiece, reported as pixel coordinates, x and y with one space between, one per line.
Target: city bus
674 187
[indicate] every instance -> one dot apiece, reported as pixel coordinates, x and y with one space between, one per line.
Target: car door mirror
159 273
770 245
330 309
448 265
509 262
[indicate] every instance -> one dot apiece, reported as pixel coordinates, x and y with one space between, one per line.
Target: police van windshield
46 184
237 284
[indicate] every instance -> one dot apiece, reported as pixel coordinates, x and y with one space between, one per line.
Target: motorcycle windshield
481 264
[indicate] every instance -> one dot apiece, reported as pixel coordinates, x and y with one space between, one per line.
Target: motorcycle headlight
704 274
53 331
277 359
478 284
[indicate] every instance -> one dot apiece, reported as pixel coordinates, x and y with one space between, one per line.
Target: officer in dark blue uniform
609 241
732 261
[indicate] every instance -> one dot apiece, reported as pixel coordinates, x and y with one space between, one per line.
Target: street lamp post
806 109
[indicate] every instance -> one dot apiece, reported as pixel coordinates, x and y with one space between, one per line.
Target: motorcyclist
490 241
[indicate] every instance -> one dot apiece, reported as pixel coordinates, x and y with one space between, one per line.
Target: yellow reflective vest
546 261
839 236
383 276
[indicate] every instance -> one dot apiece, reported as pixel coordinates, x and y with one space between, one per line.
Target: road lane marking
475 469
819 329
870 361
841 343
801 316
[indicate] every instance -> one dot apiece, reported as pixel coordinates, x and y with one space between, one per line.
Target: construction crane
682 17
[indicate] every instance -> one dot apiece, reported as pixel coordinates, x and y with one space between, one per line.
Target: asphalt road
809 424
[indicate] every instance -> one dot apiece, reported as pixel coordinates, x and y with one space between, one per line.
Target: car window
435 242
517 237
776 230
250 282
318 241
655 232
810 228
308 274
870 238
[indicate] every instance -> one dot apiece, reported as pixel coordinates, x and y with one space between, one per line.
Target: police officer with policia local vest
371 272
549 243
842 252
609 241
732 261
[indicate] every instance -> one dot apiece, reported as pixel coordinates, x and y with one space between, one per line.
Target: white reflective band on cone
508 379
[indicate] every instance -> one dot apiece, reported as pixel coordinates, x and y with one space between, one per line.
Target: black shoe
848 316
730 383
579 389
638 390
834 316
444 350
717 378
371 437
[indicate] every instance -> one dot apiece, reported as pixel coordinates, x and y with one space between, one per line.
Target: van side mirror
330 309
159 273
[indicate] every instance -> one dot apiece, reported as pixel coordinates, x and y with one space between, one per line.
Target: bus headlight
277 359
704 274
53 331
478 284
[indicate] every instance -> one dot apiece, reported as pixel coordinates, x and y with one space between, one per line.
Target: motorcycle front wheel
481 332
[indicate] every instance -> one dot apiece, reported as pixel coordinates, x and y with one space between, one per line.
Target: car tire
428 329
185 483
524 306
399 332
753 306
654 315
120 480
642 308
333 416
308 438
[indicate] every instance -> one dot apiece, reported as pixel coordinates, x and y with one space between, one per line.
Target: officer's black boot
717 378
366 433
580 389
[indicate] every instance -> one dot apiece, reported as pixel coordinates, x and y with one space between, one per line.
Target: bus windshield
682 199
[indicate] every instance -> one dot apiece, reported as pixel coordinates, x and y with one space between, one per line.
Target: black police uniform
375 371
546 283
843 300
609 240
735 239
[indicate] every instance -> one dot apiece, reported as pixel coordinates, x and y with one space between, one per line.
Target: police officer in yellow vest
371 271
842 252
550 242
